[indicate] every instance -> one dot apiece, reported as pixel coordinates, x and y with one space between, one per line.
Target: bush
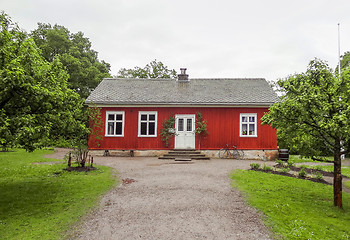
319 176
280 162
318 168
290 164
255 166
266 168
302 173
285 170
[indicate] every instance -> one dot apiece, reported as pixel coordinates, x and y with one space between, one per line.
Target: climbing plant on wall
201 128
168 130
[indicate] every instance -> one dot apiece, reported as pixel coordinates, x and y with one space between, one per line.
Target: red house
133 111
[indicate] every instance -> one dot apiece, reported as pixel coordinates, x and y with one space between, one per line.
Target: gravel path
161 199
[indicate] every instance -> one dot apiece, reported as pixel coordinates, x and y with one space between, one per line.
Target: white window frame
115 121
255 124
147 121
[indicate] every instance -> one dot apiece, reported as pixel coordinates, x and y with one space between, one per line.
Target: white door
185 135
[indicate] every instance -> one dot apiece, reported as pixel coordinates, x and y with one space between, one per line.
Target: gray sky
219 38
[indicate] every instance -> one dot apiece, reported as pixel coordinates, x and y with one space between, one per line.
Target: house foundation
264 155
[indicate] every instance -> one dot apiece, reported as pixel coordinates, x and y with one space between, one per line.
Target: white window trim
185 116
106 123
155 123
255 124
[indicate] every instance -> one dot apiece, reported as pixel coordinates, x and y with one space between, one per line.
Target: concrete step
184 155
166 157
184 152
192 157
183 159
189 150
201 158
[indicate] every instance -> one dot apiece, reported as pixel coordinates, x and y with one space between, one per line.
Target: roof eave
165 104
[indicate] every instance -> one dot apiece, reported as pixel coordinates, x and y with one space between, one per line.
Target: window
248 125
147 124
189 124
115 124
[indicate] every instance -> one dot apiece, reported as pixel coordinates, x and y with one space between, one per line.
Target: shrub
266 168
318 167
285 170
302 173
290 164
319 176
255 166
280 162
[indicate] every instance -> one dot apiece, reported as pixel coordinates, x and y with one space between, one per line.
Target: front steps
184 155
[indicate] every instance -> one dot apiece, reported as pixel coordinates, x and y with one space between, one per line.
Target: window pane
143 128
251 119
189 125
110 116
251 129
244 119
119 117
111 128
180 125
152 117
143 117
244 129
119 128
151 128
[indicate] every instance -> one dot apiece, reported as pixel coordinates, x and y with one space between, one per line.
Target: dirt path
161 199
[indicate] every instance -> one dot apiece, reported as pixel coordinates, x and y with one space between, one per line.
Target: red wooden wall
223 127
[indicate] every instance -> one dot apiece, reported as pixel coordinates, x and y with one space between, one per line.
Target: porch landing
184 155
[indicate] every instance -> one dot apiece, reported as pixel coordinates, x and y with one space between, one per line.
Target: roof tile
235 91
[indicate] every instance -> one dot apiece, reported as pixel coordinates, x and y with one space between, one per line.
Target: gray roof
237 91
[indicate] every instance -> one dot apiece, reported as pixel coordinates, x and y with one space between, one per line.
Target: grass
295 208
344 170
299 159
40 201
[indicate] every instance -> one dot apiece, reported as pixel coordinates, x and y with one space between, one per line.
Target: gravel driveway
162 199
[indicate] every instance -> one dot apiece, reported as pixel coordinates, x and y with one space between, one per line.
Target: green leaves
152 70
36 104
74 52
168 129
314 111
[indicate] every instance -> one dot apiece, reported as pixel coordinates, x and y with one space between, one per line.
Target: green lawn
299 159
43 201
344 170
295 208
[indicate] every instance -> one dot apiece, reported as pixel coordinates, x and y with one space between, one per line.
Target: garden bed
301 172
293 175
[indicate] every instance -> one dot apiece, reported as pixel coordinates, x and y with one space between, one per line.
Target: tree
152 70
344 61
74 51
36 106
201 128
316 108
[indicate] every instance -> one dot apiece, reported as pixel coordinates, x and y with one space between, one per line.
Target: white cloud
222 38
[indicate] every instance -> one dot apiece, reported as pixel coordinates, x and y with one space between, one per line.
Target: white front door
185 135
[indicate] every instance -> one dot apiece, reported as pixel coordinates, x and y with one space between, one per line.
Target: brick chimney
183 77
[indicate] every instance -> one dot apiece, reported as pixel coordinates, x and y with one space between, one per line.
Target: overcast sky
212 39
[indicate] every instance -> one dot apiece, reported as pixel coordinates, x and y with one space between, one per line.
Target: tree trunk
337 180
